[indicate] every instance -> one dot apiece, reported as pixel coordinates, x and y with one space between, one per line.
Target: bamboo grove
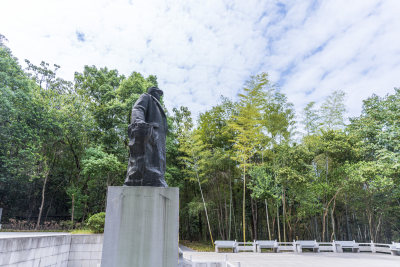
247 169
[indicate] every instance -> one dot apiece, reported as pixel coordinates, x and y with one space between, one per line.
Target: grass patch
225 250
29 231
74 232
199 246
267 250
81 232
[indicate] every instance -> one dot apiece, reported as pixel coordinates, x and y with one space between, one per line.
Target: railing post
335 248
373 247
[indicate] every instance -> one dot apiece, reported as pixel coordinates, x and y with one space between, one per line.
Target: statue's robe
147 133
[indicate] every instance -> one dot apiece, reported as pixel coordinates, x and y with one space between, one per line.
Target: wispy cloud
339 45
202 49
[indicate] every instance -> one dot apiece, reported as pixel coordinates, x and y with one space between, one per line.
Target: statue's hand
141 124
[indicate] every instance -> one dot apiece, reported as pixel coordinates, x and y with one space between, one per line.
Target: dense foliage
96 222
244 170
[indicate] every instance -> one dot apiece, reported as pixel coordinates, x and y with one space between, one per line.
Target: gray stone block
79 255
95 255
5 258
36 263
74 263
35 243
59 240
80 247
41 252
141 227
97 247
78 239
86 239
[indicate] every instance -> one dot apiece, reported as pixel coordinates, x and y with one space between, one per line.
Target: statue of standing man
147 133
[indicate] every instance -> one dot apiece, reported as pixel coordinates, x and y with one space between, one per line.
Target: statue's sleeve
139 110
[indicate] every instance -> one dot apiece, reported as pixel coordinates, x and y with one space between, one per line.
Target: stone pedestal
141 227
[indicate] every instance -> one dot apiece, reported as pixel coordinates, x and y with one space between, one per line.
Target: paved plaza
308 259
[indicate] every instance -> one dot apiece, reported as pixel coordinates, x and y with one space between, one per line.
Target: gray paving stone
300 260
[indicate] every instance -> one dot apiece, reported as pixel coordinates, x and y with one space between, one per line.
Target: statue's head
155 91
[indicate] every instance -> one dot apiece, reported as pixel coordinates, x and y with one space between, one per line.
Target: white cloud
352 46
202 49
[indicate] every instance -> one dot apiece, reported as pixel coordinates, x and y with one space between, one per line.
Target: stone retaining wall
62 250
85 251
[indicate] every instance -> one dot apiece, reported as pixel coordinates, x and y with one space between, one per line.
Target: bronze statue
147 133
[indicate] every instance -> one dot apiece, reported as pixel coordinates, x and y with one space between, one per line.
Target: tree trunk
277 223
266 212
377 228
219 223
333 236
72 210
327 225
230 208
42 202
349 235
205 208
235 227
244 203
291 230
370 223
284 217
220 213
326 213
226 218
254 215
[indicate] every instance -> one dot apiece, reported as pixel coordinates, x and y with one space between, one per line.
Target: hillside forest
247 169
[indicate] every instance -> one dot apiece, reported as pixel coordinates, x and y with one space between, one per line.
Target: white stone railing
380 247
297 246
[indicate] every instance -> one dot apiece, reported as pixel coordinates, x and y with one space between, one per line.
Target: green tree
311 119
216 135
278 116
247 125
49 101
18 133
194 153
333 110
377 170
77 124
101 170
100 86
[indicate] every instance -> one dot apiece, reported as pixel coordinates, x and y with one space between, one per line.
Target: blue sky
200 50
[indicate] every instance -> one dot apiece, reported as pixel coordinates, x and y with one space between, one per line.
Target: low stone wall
85 250
35 251
63 250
